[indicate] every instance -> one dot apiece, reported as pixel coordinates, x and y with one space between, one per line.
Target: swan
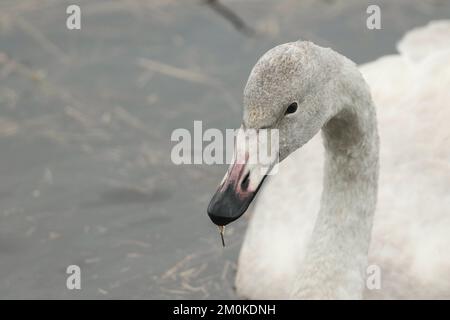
380 198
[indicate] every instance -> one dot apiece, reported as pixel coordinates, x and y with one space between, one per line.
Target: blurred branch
41 39
238 23
188 75
175 72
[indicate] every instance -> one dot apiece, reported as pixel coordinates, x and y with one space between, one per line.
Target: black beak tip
226 207
220 220
220 213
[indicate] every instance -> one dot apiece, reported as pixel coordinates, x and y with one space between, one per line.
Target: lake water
85 123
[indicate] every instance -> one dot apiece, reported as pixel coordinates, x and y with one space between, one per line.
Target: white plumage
411 232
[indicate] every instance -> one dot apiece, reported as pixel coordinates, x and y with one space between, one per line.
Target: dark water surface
85 124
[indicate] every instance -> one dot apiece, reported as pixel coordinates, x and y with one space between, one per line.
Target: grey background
85 124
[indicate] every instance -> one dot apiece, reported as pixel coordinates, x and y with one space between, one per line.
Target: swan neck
336 258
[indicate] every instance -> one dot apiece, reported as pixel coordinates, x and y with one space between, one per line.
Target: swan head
291 90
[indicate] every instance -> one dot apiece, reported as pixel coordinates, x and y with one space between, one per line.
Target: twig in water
231 16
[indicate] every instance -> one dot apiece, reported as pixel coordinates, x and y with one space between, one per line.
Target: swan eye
292 108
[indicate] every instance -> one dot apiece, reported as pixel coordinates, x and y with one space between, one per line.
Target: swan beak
241 182
234 195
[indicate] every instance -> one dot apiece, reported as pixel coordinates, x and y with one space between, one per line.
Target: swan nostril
245 182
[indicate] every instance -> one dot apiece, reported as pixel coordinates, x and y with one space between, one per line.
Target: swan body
409 237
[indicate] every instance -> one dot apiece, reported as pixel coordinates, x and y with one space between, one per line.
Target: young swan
300 88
